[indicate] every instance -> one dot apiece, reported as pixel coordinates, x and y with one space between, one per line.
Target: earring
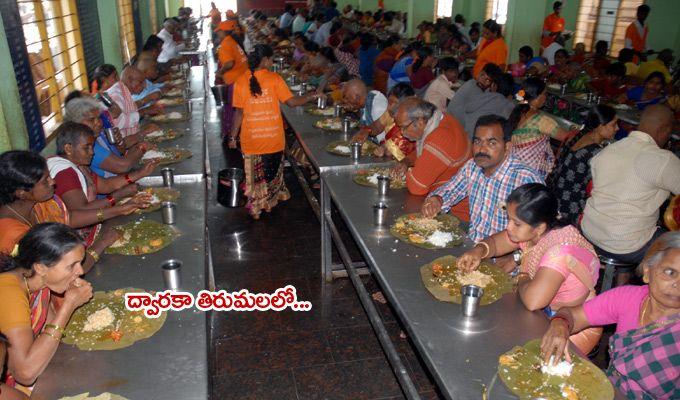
645 279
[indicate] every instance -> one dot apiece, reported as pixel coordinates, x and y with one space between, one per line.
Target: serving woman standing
645 350
258 118
48 260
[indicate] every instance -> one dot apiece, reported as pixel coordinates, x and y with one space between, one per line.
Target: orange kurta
230 51
262 124
495 52
638 42
445 151
553 23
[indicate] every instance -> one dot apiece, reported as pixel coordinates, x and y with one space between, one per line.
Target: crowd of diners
463 124
55 211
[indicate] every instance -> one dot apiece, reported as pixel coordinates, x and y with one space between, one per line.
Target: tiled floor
329 352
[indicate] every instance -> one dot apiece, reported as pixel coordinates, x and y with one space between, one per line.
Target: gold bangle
93 254
486 245
56 328
58 339
100 215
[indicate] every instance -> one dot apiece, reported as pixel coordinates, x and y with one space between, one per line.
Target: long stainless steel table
314 141
461 355
172 364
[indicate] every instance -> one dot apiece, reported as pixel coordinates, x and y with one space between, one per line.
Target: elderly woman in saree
48 261
559 268
78 186
109 159
645 349
27 198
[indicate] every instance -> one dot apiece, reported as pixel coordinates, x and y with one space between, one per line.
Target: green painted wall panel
173 6
160 11
145 19
108 23
13 133
664 29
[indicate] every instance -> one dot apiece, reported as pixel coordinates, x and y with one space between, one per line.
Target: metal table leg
326 241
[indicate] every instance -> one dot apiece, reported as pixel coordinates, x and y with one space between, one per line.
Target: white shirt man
631 179
549 52
323 33
285 20
170 49
298 23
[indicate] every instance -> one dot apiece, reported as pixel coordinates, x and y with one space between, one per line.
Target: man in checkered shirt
487 179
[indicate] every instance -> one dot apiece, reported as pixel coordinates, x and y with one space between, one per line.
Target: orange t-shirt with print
230 51
262 124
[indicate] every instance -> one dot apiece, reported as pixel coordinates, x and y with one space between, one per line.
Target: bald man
131 82
147 64
373 109
631 179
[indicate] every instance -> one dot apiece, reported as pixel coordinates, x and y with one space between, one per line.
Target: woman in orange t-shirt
257 114
493 48
233 63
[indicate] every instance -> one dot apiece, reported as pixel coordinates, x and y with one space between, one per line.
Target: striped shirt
486 194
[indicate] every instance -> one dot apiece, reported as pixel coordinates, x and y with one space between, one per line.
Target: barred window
497 10
55 52
605 20
128 45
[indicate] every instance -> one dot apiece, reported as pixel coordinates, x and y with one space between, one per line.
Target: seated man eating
487 180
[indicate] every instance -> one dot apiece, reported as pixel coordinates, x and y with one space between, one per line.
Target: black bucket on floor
229 192
220 94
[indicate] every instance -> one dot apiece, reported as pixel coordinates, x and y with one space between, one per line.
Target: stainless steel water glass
337 110
356 150
346 125
172 274
379 213
383 185
563 89
303 87
168 212
470 296
111 135
168 177
321 103
293 79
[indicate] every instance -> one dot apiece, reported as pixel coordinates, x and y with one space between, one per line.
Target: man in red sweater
442 147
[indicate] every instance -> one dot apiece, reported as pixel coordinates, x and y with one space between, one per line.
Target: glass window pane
52 28
50 9
27 12
68 24
55 46
73 54
31 33
71 38
67 7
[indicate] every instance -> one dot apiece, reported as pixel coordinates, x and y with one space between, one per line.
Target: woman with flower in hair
533 129
258 120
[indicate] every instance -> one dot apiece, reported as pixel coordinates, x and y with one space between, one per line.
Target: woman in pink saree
558 267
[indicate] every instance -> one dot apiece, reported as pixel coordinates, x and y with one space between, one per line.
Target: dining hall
339 199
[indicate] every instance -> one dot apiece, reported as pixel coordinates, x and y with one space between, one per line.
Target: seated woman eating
78 186
645 350
559 268
109 159
27 198
49 260
651 92
533 129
